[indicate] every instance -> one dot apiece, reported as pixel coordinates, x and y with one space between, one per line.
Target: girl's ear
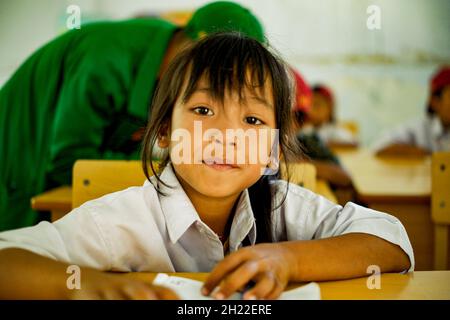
163 136
273 164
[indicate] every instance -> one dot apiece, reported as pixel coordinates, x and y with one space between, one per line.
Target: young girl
211 213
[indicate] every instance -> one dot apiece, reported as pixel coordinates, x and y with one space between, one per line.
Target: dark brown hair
435 94
224 60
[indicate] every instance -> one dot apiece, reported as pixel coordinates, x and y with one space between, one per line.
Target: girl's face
321 110
441 106
217 149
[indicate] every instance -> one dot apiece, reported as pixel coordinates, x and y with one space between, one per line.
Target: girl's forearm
25 275
402 149
344 257
332 173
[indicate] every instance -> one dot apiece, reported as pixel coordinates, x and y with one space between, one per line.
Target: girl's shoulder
130 202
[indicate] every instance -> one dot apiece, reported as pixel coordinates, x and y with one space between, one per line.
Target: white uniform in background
138 229
330 133
334 133
426 133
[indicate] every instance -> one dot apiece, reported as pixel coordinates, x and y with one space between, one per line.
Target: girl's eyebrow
203 89
206 90
262 101
258 99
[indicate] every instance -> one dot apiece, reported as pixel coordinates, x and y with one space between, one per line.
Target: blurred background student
429 133
86 94
322 119
327 164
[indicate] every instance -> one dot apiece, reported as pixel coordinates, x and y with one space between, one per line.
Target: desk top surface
388 178
426 285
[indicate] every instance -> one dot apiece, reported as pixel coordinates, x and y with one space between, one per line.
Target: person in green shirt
86 95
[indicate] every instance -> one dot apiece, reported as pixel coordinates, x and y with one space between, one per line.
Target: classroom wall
380 77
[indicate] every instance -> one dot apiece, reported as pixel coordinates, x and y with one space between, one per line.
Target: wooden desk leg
57 214
440 246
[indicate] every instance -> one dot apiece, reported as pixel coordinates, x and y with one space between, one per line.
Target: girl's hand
268 265
97 285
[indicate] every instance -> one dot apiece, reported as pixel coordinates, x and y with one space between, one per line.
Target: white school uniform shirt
334 133
426 133
138 229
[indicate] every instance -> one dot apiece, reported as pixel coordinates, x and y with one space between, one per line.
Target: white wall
380 77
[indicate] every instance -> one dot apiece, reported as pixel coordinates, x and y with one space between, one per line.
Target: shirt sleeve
334 133
75 239
309 216
403 134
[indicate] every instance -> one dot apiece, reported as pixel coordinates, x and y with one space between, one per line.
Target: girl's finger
164 293
276 292
237 279
223 268
264 286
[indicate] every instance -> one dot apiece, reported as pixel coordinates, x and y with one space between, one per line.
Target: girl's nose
219 140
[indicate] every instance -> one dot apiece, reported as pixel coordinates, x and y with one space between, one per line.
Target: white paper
188 289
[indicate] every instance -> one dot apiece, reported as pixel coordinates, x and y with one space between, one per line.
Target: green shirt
316 149
80 96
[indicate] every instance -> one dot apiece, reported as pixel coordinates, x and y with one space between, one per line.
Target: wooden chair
303 174
440 207
95 178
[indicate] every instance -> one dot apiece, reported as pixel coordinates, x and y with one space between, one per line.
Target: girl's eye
204 111
253 120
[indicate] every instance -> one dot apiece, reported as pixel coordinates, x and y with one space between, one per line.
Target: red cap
304 94
325 91
440 79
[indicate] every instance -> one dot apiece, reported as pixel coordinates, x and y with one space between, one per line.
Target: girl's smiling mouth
220 164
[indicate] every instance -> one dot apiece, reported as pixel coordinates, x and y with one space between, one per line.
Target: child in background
213 214
428 134
322 119
326 163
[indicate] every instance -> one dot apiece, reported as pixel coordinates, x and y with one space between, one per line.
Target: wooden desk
401 187
430 285
388 179
59 200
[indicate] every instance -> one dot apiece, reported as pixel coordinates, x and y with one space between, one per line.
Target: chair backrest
303 174
440 208
95 178
440 187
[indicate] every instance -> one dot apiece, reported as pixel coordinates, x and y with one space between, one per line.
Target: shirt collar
177 208
180 213
437 130
243 222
